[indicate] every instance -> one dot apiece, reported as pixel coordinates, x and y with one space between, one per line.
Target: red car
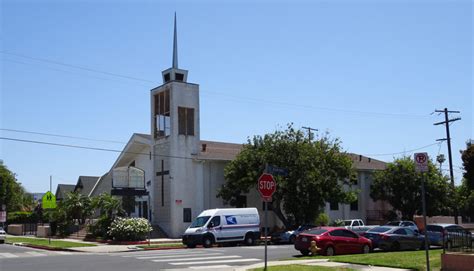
332 241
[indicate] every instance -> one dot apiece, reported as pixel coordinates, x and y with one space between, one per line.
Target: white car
3 235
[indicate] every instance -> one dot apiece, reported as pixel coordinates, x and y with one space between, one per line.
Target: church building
180 174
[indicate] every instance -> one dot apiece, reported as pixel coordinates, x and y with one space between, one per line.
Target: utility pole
450 157
309 131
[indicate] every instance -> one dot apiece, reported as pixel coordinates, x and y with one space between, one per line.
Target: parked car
332 241
357 225
3 235
452 234
227 225
408 224
395 238
289 236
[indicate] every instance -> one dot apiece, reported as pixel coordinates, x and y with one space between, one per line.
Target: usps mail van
227 225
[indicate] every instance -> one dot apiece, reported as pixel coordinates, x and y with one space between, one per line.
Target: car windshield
393 223
380 229
200 221
316 231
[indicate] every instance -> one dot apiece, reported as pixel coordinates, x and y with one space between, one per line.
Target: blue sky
368 72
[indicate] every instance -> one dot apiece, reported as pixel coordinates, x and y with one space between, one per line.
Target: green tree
400 185
109 208
316 172
466 189
12 193
77 206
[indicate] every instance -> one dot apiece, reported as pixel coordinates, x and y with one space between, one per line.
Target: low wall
15 229
457 261
43 231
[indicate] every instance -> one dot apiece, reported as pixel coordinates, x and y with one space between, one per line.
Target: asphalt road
219 258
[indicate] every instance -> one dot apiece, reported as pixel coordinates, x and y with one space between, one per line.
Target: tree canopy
316 169
12 193
400 185
466 189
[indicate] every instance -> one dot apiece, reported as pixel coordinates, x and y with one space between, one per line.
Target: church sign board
48 201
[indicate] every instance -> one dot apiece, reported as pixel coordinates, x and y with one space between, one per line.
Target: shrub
322 220
129 229
22 217
338 223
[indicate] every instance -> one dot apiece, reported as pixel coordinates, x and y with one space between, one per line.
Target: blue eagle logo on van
231 220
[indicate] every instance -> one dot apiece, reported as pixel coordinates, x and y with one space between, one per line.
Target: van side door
215 227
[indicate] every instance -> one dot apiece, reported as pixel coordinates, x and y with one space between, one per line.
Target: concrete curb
40 247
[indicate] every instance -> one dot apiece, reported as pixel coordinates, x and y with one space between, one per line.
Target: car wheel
249 240
395 246
305 252
330 251
365 249
292 239
190 246
207 242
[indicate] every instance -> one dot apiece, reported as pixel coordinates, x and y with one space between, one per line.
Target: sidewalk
321 262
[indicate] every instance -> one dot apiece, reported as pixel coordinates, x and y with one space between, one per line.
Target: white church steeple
174 73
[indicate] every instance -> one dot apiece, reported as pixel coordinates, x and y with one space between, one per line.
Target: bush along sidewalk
129 229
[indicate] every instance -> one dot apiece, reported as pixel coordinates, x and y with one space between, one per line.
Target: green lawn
162 245
406 259
44 242
296 267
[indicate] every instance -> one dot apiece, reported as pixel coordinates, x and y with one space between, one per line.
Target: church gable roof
85 184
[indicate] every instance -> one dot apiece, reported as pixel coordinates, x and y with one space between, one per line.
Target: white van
223 226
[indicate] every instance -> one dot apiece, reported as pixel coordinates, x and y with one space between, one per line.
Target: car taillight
384 237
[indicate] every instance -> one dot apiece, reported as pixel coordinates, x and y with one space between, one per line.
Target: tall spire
175 45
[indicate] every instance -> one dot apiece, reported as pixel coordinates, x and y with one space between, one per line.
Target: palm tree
78 207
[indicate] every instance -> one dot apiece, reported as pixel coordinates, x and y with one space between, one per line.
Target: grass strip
297 267
45 242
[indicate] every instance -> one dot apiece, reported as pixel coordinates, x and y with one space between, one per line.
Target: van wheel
207 242
249 240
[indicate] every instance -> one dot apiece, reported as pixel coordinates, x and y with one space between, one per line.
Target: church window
179 76
167 77
162 114
187 217
185 121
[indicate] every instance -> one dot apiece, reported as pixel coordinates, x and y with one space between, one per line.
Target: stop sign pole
266 187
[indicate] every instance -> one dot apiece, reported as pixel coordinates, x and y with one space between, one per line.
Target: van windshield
200 221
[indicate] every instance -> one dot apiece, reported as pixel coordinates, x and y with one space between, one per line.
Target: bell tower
177 188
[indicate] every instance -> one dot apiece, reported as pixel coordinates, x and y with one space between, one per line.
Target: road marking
179 255
8 255
219 261
169 252
165 254
198 258
35 254
210 267
64 252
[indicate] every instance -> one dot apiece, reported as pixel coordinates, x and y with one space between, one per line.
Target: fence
458 241
22 229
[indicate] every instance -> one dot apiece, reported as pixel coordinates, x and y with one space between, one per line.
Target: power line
64 136
90 148
77 67
386 114
403 152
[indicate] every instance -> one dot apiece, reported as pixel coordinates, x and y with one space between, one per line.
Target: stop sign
266 186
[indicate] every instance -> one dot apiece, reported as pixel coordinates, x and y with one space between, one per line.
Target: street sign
266 186
3 216
48 201
421 162
274 170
